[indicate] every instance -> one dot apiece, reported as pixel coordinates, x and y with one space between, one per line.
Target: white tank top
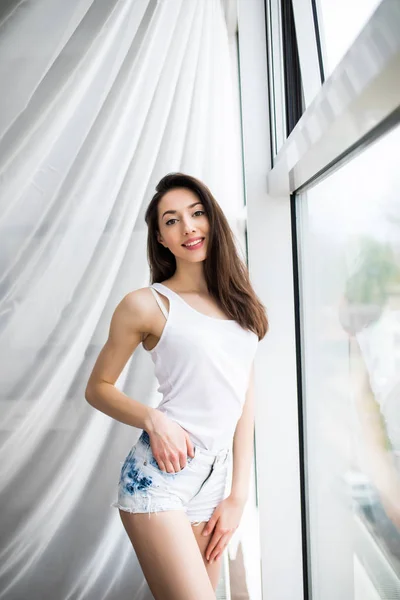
202 365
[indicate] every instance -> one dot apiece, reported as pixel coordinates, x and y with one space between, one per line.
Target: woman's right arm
170 443
129 321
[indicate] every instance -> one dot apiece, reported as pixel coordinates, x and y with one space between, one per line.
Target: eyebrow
173 212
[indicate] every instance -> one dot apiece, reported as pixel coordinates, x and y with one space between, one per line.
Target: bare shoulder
135 310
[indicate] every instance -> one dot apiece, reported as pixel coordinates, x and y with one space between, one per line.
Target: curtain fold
103 98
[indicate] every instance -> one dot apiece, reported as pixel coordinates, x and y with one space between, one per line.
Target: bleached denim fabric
197 489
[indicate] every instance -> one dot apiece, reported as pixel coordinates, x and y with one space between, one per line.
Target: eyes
202 212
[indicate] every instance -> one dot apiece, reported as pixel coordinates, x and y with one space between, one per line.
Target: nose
188 225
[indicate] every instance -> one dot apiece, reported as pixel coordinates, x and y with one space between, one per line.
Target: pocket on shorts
152 464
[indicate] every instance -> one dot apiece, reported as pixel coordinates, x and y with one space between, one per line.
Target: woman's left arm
226 517
243 442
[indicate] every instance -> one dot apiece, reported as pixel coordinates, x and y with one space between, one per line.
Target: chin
196 259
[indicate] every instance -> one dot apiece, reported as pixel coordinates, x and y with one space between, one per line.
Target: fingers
174 464
169 466
215 550
189 446
177 462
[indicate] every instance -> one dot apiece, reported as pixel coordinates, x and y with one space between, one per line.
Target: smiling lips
193 245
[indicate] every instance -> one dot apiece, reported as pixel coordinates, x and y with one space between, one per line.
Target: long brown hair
225 272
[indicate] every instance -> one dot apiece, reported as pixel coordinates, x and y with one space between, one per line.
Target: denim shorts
197 489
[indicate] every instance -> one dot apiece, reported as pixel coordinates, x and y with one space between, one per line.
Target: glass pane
340 22
349 245
276 75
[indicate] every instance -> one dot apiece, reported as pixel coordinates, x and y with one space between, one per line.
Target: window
339 23
349 232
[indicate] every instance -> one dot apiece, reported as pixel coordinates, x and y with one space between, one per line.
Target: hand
224 521
170 443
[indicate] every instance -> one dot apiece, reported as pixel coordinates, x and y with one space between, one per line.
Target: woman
201 323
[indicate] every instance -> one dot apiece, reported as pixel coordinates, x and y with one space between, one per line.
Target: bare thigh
213 569
168 555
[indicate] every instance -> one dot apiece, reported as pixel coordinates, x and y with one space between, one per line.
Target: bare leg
169 555
213 569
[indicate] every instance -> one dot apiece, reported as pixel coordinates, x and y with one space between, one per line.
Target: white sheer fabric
100 99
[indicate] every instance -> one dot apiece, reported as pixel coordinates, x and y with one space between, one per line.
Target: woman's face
182 218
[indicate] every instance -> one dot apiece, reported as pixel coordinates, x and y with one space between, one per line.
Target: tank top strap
159 302
165 291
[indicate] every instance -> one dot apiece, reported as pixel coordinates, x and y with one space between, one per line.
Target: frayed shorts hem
136 510
140 510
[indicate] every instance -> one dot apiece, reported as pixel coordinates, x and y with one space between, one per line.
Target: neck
189 278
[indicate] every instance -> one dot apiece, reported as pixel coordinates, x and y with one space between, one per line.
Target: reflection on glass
340 22
350 265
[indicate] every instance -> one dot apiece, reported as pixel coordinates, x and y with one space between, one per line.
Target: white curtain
100 99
